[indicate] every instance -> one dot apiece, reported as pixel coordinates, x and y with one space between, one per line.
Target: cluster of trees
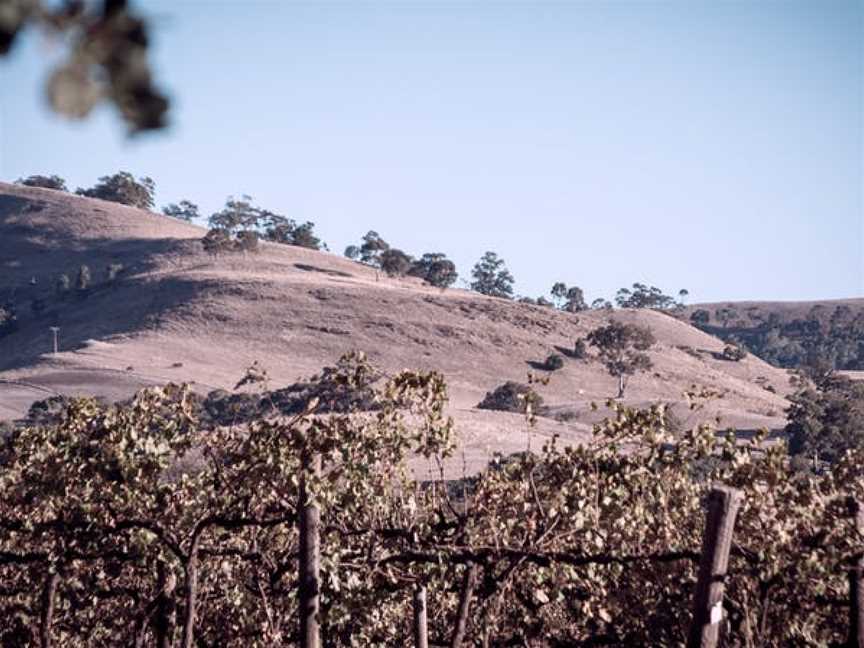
240 224
44 182
130 525
123 188
433 267
823 336
572 299
825 418
645 296
568 298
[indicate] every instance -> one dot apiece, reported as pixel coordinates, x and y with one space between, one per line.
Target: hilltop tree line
240 225
432 267
835 338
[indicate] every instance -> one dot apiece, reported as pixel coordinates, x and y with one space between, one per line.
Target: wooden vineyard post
723 505
310 556
421 632
856 584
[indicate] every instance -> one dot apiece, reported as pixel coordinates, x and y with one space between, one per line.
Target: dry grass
294 310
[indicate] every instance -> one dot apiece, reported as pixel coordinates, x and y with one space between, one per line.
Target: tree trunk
49 595
191 593
421 632
310 557
723 505
856 584
622 385
464 606
163 621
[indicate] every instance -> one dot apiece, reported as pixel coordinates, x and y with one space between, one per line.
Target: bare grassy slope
178 314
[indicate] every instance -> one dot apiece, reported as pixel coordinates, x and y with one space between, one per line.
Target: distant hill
790 334
177 314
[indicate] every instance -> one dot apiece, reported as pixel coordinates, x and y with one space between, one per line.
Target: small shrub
580 349
48 410
511 397
247 241
674 423
566 416
112 271
554 362
733 353
689 350
8 320
216 241
64 285
82 281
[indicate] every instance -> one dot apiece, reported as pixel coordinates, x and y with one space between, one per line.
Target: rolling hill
178 314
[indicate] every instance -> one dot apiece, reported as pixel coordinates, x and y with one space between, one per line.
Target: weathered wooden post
723 505
310 556
856 583
421 632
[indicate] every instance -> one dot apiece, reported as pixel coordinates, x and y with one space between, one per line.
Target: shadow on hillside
537 365
124 307
26 255
567 352
750 433
311 268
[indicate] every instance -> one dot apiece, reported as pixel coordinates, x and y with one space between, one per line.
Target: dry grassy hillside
177 314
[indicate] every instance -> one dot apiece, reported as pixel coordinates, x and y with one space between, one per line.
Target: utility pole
55 330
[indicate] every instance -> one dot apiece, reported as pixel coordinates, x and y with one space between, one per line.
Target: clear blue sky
715 146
